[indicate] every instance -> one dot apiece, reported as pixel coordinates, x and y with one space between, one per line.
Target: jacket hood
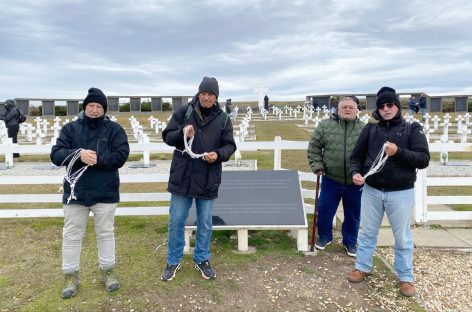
10 103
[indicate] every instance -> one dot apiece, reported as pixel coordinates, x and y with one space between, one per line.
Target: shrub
125 107
60 110
146 106
166 106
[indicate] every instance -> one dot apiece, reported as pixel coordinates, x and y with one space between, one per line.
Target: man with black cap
93 148
202 135
10 118
389 188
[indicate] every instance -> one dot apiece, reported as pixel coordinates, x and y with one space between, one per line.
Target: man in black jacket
389 189
93 148
11 121
195 173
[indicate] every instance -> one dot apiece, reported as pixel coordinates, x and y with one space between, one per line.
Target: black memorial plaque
257 198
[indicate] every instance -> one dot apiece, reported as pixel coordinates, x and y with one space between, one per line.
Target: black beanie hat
97 96
387 95
209 84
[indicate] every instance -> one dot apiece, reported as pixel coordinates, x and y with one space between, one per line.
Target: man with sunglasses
391 189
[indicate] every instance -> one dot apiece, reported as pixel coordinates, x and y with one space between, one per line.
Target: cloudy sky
293 48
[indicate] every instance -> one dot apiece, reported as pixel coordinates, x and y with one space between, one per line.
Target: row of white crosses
156 124
462 126
234 113
3 131
138 132
244 125
5 140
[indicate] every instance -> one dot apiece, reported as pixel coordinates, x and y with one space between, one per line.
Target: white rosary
378 163
188 146
70 177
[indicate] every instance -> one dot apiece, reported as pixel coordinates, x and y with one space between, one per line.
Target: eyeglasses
388 105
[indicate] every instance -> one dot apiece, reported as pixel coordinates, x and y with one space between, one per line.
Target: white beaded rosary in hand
70 177
379 162
188 145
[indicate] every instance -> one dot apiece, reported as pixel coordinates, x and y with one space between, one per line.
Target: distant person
12 121
195 174
97 147
390 188
423 110
356 99
266 102
329 150
412 105
228 106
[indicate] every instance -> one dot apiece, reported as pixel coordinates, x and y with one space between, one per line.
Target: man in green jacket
330 147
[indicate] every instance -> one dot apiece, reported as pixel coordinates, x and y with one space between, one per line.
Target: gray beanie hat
209 84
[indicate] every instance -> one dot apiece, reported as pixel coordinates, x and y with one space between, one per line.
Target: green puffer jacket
331 145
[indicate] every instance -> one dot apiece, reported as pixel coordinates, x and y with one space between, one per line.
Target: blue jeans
424 112
330 195
179 209
399 206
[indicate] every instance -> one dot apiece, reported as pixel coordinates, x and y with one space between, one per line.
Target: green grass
31 274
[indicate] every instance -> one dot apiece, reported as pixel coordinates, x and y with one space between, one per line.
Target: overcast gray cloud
293 48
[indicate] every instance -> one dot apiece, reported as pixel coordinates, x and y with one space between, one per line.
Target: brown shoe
356 276
407 289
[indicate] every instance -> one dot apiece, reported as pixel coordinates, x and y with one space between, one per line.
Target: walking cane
315 214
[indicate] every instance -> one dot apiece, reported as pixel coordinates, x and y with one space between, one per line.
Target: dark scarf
94 123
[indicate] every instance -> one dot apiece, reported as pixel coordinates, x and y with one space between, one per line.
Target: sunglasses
388 105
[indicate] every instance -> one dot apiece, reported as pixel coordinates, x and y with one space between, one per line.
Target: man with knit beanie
93 148
389 189
202 135
12 123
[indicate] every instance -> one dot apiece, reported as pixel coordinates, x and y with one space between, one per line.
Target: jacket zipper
345 151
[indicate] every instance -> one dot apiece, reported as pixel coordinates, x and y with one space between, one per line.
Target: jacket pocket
177 169
214 178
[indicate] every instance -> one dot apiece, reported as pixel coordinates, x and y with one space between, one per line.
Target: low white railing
422 200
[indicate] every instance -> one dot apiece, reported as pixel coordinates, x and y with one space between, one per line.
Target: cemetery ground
276 277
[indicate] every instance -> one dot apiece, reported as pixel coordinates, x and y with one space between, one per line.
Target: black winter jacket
399 172
423 102
195 177
11 116
99 183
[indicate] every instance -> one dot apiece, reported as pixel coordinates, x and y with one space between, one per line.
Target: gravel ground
443 278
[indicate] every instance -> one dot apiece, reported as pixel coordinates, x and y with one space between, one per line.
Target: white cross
261 91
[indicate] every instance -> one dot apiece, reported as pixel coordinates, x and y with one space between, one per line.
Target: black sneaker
351 250
205 268
169 272
322 243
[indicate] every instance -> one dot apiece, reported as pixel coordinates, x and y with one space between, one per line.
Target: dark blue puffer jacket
99 183
195 177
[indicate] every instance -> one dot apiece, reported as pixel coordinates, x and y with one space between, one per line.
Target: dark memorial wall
461 103
48 108
257 198
72 108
